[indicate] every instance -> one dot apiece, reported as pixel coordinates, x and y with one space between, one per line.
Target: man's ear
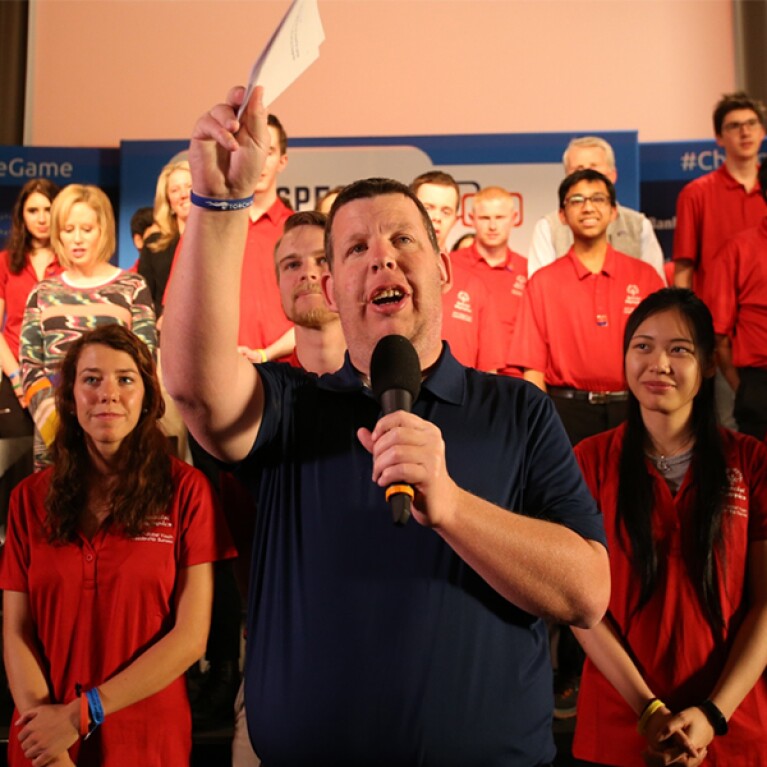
445 271
282 163
326 282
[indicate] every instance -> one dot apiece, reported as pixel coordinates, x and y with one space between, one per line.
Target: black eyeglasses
736 126
579 200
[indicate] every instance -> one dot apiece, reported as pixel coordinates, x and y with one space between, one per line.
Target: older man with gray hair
630 233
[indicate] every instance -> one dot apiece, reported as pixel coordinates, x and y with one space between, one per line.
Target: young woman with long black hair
681 653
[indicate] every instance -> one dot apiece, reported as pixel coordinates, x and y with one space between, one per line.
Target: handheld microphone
395 377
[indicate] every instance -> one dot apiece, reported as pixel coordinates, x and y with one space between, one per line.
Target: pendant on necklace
663 464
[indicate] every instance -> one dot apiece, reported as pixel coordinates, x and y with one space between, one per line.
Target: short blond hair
492 193
99 203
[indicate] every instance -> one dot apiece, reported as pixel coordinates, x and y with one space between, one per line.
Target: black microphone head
395 365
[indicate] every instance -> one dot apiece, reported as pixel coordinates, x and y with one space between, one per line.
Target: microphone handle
400 508
400 494
396 399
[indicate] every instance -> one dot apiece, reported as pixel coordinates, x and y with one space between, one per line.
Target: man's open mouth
388 296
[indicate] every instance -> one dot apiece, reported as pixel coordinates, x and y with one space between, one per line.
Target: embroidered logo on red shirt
462 307
737 494
633 299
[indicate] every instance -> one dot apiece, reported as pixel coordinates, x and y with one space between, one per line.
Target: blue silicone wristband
95 707
211 203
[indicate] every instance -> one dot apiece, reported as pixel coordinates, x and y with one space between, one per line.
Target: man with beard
299 258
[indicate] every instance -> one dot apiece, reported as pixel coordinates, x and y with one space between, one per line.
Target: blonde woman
88 293
171 210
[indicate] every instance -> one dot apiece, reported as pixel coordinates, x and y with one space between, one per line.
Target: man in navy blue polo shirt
368 643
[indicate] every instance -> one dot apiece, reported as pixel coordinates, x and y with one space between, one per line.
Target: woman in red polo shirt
28 259
107 573
678 660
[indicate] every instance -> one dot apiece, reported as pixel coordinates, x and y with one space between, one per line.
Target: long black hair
709 476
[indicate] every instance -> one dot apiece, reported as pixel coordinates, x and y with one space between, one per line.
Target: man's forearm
724 360
200 326
540 566
683 273
535 377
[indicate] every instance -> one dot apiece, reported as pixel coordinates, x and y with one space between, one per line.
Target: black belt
592 397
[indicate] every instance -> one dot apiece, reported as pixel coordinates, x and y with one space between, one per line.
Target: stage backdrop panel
528 165
19 164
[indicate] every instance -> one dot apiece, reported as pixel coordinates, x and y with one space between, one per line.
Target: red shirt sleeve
204 536
687 231
719 291
529 345
14 565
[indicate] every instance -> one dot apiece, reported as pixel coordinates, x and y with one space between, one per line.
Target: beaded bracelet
211 203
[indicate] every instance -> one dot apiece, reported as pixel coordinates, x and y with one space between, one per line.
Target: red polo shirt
710 210
678 654
14 291
505 283
470 322
736 294
262 320
98 604
571 323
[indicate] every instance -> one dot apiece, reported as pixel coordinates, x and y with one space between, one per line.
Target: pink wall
105 70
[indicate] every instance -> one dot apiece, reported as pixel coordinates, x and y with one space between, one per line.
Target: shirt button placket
89 566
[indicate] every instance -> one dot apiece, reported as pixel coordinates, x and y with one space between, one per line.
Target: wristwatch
714 716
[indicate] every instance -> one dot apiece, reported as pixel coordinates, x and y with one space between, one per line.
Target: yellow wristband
262 352
649 710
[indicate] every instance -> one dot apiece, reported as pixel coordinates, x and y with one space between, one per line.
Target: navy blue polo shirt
373 644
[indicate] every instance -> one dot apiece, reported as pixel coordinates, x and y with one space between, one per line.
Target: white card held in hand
294 45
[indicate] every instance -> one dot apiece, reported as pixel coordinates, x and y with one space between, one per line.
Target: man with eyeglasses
630 231
569 332
569 339
736 293
714 207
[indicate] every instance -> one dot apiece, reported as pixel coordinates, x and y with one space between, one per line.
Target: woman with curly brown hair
107 573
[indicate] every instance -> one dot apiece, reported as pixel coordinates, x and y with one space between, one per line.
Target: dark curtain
13 68
750 17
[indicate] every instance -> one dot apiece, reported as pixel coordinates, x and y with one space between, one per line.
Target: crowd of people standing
369 644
